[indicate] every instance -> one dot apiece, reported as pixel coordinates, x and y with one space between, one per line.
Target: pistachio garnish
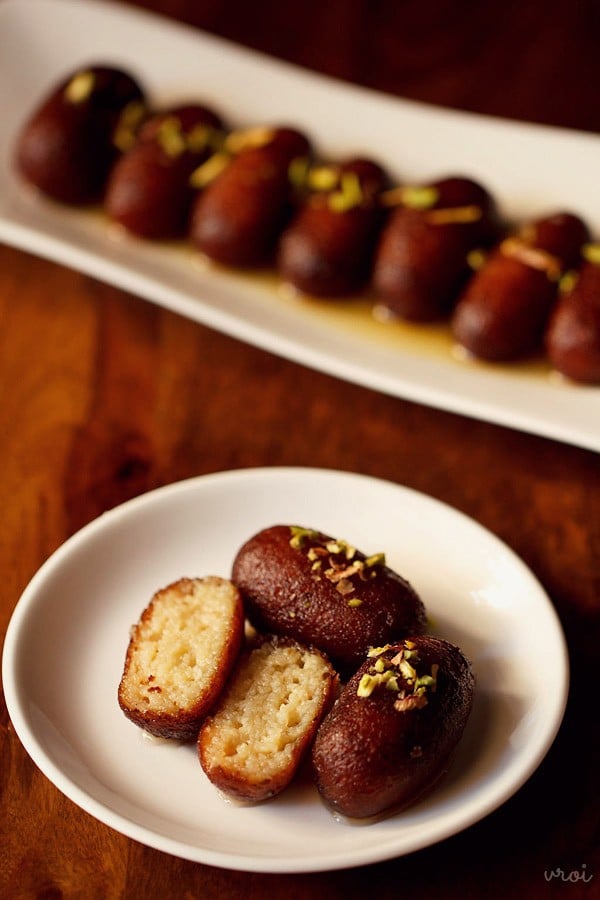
316 553
459 215
398 675
336 574
301 535
568 282
377 559
333 547
476 259
519 249
170 137
413 701
407 670
125 132
349 195
345 586
322 178
377 651
248 139
411 196
209 170
591 253
336 560
80 87
366 685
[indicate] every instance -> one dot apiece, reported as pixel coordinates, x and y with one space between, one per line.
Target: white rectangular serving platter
531 170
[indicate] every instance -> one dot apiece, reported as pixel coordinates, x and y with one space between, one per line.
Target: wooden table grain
104 396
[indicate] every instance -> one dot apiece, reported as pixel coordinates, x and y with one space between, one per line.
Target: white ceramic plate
66 643
532 170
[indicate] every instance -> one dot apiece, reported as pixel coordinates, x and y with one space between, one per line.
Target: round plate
66 643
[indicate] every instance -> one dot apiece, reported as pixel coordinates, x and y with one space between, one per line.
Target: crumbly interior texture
178 645
271 706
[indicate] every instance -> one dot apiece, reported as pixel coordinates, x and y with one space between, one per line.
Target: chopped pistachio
397 659
337 574
419 197
248 139
476 259
413 701
208 171
460 215
407 670
367 685
380 664
377 651
125 131
392 683
410 645
424 681
80 87
323 178
519 249
344 587
591 253
301 535
377 559
568 282
354 602
316 565
333 546
170 137
349 195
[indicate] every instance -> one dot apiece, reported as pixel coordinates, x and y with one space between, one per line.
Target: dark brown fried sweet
149 190
320 591
392 733
68 145
573 335
238 217
327 249
421 262
503 312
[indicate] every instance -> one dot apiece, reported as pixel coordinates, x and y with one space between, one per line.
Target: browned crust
370 756
282 595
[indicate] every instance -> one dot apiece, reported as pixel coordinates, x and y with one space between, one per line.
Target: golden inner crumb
179 645
275 697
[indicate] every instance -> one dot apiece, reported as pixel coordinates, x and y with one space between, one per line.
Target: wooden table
105 396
